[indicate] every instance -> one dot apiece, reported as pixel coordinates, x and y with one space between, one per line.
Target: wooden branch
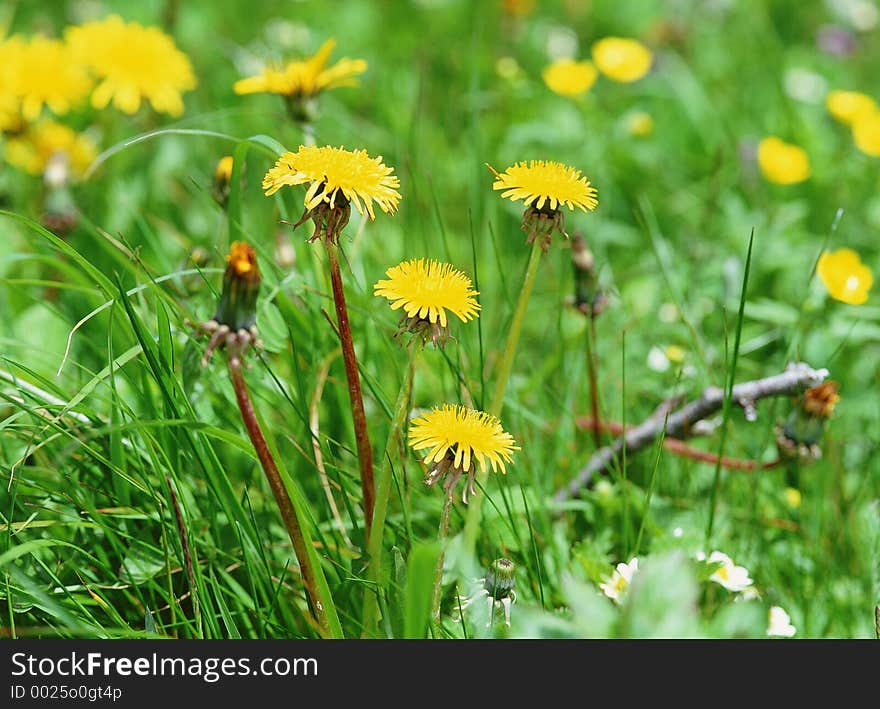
796 378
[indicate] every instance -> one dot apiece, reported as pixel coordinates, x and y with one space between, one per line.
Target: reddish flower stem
362 439
288 513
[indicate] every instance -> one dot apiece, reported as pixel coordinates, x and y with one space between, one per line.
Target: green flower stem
504 366
355 396
383 493
442 534
312 574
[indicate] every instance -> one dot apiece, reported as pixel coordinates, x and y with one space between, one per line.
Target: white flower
732 577
657 360
780 623
620 579
677 532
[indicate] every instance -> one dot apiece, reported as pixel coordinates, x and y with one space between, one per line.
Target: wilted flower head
336 177
133 63
845 276
779 623
234 323
544 186
426 290
732 577
458 439
568 77
497 588
622 59
803 429
781 162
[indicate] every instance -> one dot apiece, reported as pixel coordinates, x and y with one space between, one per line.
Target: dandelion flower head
427 289
846 106
306 77
33 150
133 63
48 75
781 162
845 276
866 132
540 182
336 173
458 440
568 77
622 59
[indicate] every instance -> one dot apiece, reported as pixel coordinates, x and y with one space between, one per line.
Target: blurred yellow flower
621 59
49 75
223 171
426 290
781 162
866 132
640 124
10 101
133 63
337 173
567 77
304 78
546 182
792 497
845 276
32 150
846 106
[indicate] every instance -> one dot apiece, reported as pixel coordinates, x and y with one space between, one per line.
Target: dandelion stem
442 534
313 578
356 399
592 373
187 556
383 491
504 366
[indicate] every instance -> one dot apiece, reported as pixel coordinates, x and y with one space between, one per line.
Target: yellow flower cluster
621 59
861 114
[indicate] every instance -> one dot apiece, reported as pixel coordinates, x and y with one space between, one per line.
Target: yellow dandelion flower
845 276
846 106
336 172
567 77
223 171
621 59
455 437
781 162
304 78
133 63
427 289
640 124
866 133
33 150
48 75
10 100
541 182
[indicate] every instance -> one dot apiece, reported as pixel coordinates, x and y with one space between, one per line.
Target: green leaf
419 587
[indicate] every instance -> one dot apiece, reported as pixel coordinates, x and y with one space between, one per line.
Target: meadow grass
122 457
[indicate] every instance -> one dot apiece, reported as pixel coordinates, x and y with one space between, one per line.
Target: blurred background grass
90 542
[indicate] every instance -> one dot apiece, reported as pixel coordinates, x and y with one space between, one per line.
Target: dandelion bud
241 283
500 578
805 425
222 179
